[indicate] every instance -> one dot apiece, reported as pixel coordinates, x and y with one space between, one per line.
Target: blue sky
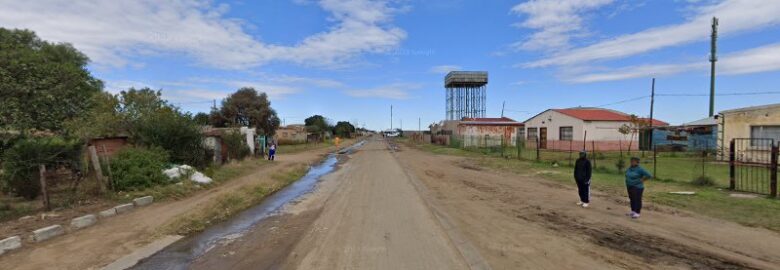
352 59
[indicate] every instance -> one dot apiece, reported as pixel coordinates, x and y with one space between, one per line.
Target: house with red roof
573 128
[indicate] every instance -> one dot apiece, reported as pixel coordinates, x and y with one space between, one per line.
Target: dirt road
367 215
113 238
383 210
526 222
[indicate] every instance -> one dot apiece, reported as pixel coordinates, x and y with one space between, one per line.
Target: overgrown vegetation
235 143
138 168
20 167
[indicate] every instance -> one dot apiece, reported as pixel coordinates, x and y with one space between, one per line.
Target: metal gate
753 165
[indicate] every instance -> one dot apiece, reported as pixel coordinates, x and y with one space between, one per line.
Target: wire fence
665 163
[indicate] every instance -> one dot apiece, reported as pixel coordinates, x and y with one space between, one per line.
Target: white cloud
111 32
556 22
116 86
736 16
761 59
390 91
444 69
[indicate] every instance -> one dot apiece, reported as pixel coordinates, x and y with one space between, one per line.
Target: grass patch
710 200
184 189
225 206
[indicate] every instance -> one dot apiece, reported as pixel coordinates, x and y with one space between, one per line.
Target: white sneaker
634 215
584 205
580 203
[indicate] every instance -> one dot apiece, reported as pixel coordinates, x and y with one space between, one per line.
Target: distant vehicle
391 133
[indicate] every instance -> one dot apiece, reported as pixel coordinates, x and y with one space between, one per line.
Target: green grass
295 148
183 189
713 201
225 206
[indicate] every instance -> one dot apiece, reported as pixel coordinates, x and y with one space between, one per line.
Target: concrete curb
143 201
83 222
107 213
47 233
123 208
10 243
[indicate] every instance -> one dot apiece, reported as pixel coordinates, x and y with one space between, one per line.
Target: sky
350 60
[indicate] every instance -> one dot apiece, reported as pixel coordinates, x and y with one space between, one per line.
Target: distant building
698 135
291 134
564 129
485 132
758 122
108 146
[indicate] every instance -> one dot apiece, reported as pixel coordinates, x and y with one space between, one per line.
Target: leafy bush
703 180
175 133
21 161
137 168
236 145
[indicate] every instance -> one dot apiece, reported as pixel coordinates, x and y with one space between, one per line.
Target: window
521 133
566 133
764 132
532 133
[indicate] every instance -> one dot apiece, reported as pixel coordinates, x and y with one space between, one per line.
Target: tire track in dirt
521 221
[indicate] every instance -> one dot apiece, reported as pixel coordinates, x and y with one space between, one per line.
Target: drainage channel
180 254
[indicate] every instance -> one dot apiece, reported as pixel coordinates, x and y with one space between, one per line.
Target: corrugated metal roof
594 114
746 109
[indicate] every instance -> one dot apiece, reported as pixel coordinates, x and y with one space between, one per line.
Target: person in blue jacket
635 183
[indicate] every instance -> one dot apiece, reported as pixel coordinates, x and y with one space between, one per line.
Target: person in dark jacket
582 173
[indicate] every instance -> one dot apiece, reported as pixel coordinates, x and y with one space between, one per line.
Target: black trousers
635 195
583 188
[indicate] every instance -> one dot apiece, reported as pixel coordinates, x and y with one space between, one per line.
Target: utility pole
652 104
503 104
713 59
419 126
391 117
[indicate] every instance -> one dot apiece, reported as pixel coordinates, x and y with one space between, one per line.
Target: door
543 138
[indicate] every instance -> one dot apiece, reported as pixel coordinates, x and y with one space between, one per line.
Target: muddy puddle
182 253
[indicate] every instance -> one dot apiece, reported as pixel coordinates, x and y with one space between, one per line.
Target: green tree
103 119
317 124
201 118
343 129
42 84
247 107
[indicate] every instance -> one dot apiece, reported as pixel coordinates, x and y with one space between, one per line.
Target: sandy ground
113 238
526 222
367 215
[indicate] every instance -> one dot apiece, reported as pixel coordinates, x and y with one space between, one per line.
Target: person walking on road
272 151
635 183
582 174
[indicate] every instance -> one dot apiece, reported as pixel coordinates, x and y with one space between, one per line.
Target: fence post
773 177
44 189
537 149
732 160
98 169
570 143
655 161
517 144
595 156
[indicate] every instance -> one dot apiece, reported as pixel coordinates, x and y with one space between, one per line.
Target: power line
723 94
622 101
